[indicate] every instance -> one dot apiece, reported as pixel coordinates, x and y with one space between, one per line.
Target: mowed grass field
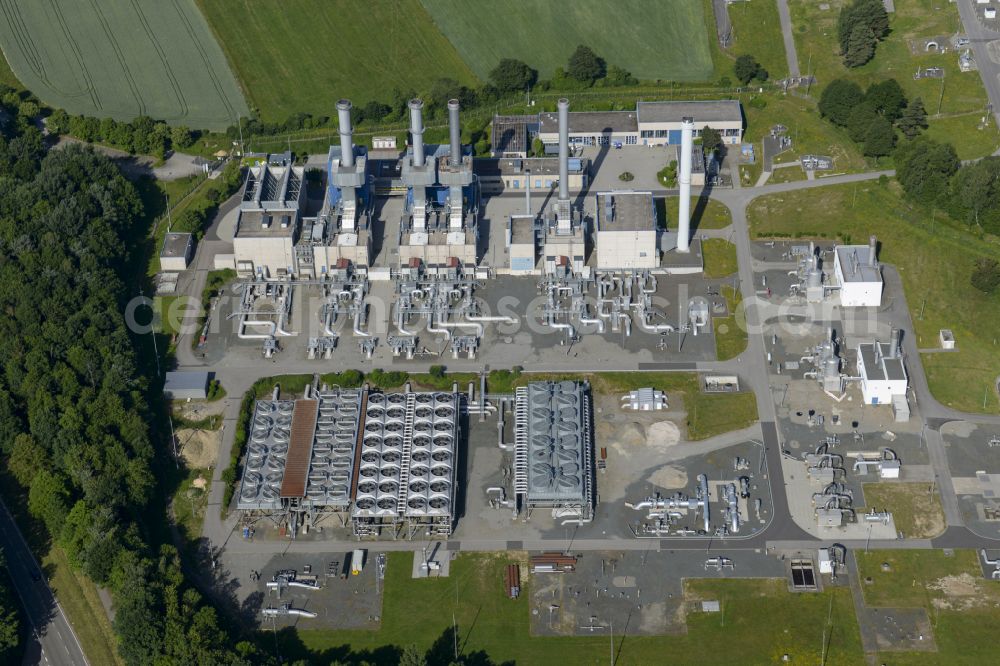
653 40
303 56
122 59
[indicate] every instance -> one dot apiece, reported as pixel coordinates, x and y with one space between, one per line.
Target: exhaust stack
455 132
563 149
872 248
346 144
417 130
894 342
684 178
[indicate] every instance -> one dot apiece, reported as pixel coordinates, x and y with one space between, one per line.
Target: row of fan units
266 451
332 461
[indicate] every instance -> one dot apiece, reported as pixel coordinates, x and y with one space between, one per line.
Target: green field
653 40
757 32
304 56
934 259
122 59
493 629
955 102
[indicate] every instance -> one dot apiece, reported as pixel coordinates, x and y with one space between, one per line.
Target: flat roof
175 244
522 230
510 133
251 224
539 166
630 211
879 367
718 110
185 381
300 445
856 264
595 122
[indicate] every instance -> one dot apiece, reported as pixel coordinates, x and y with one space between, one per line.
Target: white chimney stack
684 178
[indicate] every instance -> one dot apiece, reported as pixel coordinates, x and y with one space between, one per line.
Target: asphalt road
979 39
53 634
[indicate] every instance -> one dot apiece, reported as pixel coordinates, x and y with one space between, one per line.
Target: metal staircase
404 463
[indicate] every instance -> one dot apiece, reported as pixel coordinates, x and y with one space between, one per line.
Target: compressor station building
650 124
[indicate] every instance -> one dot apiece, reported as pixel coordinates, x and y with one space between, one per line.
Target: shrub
986 275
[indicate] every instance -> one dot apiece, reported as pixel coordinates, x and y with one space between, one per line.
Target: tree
887 97
986 275
746 68
974 192
180 137
880 138
711 139
511 75
860 119
412 657
838 100
913 119
47 500
620 77
924 168
436 371
585 65
869 13
860 46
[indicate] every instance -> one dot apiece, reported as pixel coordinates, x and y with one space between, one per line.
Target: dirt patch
669 476
197 410
961 592
662 434
198 448
200 483
621 436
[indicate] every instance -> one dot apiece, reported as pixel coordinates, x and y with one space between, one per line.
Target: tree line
872 117
74 422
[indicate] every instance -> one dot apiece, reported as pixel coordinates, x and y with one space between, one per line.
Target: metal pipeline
586 321
642 316
256 336
503 319
328 321
358 323
400 317
434 331
704 497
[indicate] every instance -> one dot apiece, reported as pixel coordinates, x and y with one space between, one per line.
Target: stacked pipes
346 144
417 131
684 179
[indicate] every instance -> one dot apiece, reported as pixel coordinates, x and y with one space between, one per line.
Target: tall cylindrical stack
893 341
564 149
872 249
417 130
455 132
684 179
346 145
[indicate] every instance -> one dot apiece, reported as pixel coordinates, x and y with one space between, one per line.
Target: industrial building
858 274
882 372
626 231
269 217
650 124
538 174
383 461
186 385
553 451
177 251
440 219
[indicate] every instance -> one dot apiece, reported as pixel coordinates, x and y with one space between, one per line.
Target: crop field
653 40
304 56
122 59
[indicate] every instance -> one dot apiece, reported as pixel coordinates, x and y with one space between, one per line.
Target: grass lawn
731 331
810 134
916 507
787 175
668 43
705 213
964 608
913 22
720 257
494 629
7 76
189 503
962 131
757 32
935 260
304 56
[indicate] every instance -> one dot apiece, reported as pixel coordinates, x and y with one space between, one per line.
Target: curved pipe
400 327
358 324
256 336
590 320
328 322
434 331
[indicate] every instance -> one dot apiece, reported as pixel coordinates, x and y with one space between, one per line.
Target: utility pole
612 655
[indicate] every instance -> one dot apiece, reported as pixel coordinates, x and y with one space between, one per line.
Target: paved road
980 37
786 34
53 633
